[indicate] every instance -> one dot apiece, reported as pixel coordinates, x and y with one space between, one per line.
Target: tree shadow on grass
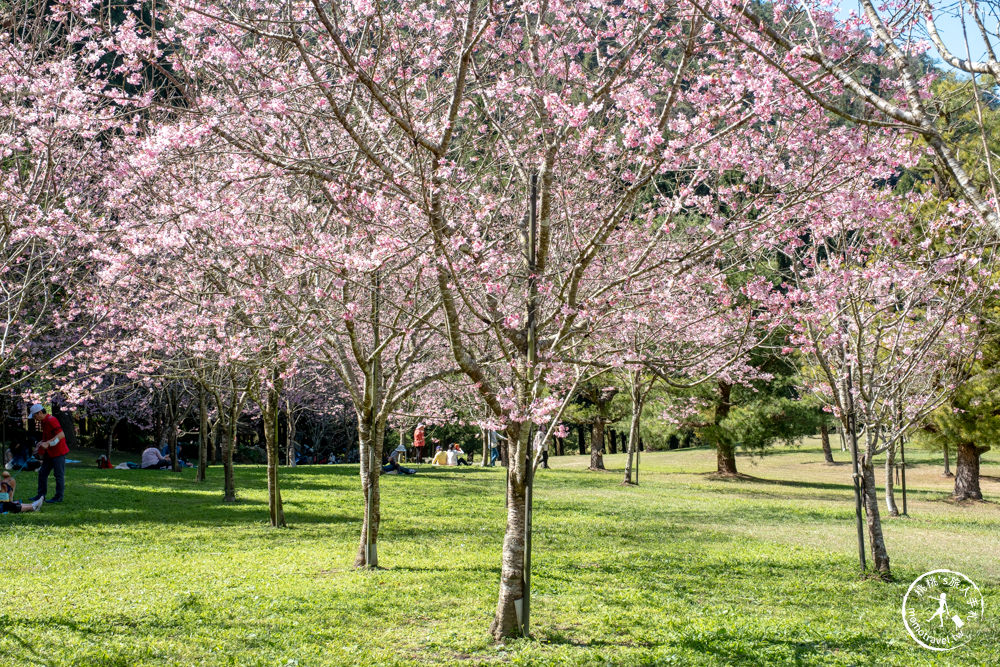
28 647
843 488
291 482
95 635
95 497
493 572
750 479
742 650
96 503
559 637
730 648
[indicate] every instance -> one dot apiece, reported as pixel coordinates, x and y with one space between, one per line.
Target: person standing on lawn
495 439
52 450
418 443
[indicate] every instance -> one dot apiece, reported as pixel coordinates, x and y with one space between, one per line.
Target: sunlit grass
148 567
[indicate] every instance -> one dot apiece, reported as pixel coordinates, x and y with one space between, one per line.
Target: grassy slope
144 567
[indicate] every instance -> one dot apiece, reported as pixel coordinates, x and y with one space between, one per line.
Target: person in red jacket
418 443
52 450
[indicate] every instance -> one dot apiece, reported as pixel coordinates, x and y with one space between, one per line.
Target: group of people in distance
453 456
50 458
52 451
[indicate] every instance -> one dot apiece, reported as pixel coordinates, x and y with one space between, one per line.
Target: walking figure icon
942 612
942 609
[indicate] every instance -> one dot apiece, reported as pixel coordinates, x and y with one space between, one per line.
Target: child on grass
7 502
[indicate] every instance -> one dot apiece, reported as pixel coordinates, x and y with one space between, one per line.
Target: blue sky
949 27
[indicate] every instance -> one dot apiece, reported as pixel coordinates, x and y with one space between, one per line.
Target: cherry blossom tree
887 308
896 37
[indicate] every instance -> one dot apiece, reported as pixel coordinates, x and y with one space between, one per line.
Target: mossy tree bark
371 438
967 471
289 434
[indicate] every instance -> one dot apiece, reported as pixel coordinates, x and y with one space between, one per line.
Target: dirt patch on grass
727 477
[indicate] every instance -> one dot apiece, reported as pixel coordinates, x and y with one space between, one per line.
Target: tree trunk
157 421
228 449
890 469
111 436
484 438
597 444
172 441
612 441
216 447
173 410
725 452
824 434
879 554
967 471
289 435
581 439
633 432
271 409
370 442
505 620
202 435
947 463
725 459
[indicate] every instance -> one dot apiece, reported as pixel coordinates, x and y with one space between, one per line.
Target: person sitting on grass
21 459
452 456
440 458
460 458
152 459
393 465
7 502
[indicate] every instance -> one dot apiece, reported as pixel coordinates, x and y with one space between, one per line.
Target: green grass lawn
147 567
